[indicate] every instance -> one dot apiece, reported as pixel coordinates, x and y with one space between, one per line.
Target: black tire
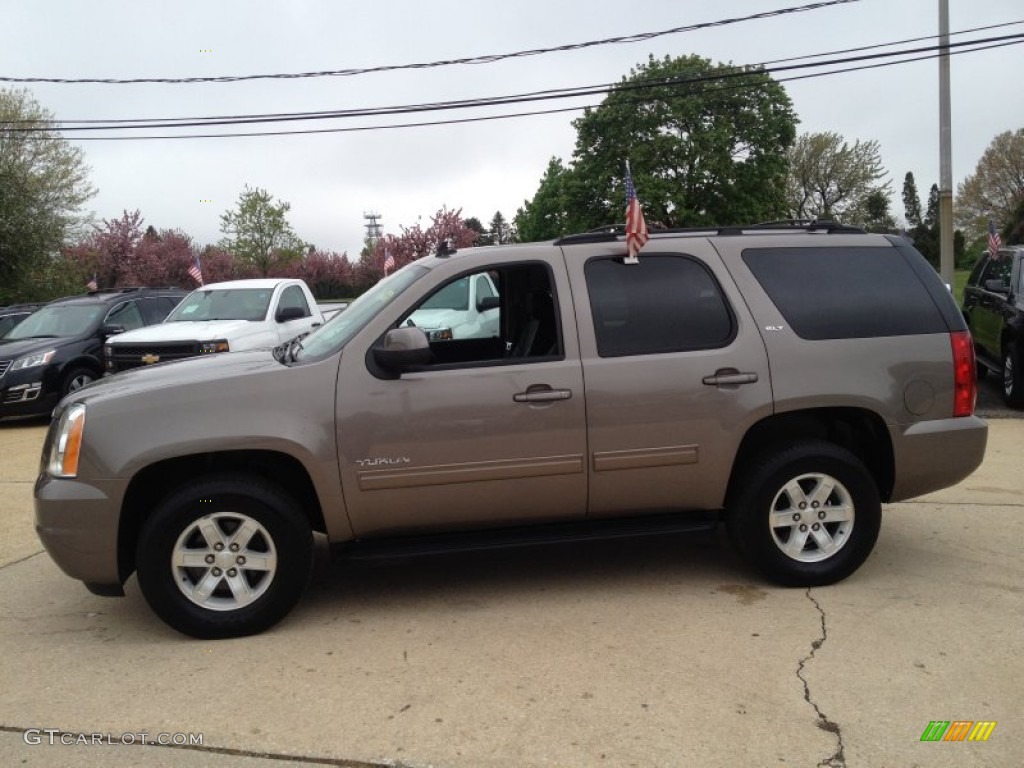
270 565
1013 377
76 378
761 498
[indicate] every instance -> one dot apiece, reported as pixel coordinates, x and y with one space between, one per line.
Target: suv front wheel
226 557
806 514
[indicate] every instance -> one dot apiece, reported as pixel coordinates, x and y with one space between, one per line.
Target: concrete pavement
659 652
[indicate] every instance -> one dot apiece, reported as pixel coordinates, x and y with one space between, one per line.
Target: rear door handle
729 376
542 395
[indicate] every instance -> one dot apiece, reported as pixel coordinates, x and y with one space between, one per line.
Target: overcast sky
332 179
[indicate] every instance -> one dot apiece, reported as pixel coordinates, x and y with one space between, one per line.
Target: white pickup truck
220 317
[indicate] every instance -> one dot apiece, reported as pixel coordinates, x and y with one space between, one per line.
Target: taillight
965 374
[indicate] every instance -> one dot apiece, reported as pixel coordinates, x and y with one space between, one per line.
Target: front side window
663 304
126 315
999 269
502 315
292 296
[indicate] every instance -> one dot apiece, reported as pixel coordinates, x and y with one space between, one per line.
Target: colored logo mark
958 730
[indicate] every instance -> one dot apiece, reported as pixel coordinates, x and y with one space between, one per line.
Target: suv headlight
220 345
67 442
31 361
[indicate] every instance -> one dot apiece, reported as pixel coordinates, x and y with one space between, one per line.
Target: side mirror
488 302
403 348
996 286
111 330
284 314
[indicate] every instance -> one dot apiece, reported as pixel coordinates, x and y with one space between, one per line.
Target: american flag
994 241
389 262
195 270
92 285
636 226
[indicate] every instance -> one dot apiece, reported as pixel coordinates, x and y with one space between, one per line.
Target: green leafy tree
995 188
501 231
707 145
911 201
875 215
830 178
43 185
474 224
926 236
257 232
546 216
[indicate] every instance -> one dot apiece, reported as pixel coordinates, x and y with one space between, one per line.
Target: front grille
122 358
4 365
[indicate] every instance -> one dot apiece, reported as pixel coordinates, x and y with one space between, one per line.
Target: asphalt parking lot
661 652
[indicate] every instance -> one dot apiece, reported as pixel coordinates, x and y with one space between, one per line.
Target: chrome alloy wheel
224 561
812 517
79 381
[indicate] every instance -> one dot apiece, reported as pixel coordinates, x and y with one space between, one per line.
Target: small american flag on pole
636 226
389 262
195 270
92 285
994 241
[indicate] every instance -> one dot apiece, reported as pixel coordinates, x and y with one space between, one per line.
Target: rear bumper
78 524
931 455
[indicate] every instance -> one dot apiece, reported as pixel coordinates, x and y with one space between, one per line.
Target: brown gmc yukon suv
786 379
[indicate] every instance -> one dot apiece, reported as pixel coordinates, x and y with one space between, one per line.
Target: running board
506 538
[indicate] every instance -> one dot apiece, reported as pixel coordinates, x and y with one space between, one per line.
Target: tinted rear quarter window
845 293
664 303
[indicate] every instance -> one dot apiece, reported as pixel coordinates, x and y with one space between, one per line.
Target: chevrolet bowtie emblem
150 358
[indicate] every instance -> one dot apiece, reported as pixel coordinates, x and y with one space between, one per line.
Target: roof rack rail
810 225
611 232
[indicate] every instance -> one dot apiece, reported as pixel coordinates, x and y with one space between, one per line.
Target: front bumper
26 393
78 525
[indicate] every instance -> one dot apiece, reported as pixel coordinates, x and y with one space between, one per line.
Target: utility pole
945 152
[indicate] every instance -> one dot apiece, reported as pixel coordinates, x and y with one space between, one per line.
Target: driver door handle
542 394
729 376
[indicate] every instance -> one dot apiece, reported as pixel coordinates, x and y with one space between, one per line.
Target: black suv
994 308
59 348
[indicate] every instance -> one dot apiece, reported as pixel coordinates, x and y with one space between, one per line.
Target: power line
545 95
485 59
533 113
65 123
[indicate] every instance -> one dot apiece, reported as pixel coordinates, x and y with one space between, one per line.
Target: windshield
335 333
223 304
60 321
452 296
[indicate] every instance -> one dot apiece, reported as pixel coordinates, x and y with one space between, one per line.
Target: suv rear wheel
805 514
226 557
1013 377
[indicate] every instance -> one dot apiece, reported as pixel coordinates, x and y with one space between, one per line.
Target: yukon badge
384 462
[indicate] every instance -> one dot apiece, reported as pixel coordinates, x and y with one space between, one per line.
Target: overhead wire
532 113
484 59
546 95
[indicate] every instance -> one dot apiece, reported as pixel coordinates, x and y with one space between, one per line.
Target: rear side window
665 303
845 293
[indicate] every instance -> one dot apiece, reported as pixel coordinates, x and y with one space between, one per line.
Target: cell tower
374 229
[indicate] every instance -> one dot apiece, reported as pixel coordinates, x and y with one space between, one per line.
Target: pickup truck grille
122 358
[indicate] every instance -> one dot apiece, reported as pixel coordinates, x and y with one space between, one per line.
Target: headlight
220 345
67 443
31 361
441 334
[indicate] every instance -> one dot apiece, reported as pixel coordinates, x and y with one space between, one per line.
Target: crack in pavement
838 758
335 762
21 559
